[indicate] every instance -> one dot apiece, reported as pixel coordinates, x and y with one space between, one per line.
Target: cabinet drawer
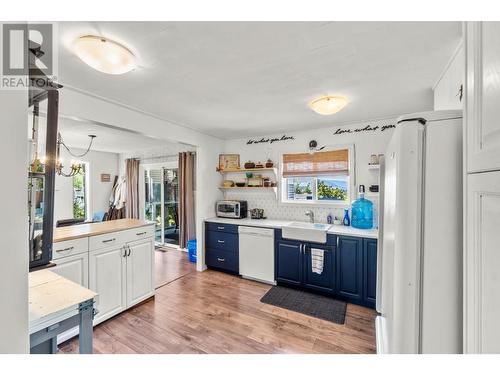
219 227
222 241
71 247
138 233
222 259
107 240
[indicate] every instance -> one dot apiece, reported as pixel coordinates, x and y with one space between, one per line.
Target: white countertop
278 224
52 298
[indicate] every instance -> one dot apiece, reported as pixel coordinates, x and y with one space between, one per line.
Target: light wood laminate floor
170 264
211 312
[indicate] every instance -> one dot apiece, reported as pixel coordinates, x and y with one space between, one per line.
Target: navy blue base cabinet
349 271
222 247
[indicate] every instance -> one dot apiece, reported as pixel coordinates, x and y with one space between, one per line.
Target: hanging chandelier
77 167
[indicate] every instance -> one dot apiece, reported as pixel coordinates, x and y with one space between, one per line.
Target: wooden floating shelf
253 170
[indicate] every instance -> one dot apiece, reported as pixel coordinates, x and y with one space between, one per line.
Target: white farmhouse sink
309 232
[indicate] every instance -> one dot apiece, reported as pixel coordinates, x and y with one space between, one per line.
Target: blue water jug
362 211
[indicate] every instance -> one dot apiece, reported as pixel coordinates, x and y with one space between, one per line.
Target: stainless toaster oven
232 209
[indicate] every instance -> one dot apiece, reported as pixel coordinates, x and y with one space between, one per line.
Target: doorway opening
161 189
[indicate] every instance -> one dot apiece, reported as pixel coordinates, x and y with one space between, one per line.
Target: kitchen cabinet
325 281
222 247
294 265
140 265
369 271
289 262
350 268
108 278
74 268
482 96
482 264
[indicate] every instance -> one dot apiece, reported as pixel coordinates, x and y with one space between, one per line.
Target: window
80 194
319 177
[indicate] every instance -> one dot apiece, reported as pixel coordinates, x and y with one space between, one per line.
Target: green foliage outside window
326 192
300 189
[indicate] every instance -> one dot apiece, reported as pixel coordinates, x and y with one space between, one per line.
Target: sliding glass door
162 203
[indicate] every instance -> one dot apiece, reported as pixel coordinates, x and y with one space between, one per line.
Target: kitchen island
114 259
56 305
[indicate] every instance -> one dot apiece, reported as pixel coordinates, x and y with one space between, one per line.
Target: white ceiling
236 79
75 134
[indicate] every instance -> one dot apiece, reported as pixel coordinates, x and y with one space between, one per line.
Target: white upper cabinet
482 50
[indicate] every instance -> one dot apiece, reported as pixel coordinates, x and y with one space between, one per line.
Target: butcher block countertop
94 229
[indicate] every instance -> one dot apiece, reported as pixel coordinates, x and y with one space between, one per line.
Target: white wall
448 85
365 143
99 192
90 107
14 224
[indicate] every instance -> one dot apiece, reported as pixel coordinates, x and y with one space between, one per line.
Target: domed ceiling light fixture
104 55
328 104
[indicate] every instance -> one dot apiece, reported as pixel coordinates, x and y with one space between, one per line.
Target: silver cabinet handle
140 234
221 241
107 241
221 259
129 250
67 249
220 228
338 241
124 251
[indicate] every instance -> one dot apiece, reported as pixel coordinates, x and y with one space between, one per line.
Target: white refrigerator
420 258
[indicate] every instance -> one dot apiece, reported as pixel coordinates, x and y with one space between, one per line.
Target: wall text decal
367 128
284 137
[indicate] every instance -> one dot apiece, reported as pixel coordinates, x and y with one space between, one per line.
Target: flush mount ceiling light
104 55
328 104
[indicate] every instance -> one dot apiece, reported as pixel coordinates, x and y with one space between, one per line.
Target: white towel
317 260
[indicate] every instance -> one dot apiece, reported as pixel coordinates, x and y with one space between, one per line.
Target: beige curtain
186 198
132 181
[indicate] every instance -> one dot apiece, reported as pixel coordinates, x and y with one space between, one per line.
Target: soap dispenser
362 211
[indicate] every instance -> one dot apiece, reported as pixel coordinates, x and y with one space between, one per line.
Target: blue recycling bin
192 250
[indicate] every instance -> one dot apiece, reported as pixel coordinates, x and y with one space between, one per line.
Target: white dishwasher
257 253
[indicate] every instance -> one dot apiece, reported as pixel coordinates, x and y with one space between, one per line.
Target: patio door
162 203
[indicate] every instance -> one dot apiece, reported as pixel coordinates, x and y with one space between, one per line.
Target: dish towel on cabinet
317 260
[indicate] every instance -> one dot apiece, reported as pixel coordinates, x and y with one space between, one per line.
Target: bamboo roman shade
318 163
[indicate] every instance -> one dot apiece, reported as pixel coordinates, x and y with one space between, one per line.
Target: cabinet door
74 268
482 264
483 95
140 275
289 262
323 281
107 277
369 271
349 267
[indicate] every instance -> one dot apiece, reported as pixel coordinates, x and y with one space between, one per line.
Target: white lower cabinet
108 278
118 266
482 264
74 268
140 275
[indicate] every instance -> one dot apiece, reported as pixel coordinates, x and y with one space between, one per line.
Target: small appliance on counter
232 209
257 213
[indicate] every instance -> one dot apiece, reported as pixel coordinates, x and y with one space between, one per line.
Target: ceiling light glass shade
328 104
104 55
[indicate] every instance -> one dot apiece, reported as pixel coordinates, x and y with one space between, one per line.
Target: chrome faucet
310 213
